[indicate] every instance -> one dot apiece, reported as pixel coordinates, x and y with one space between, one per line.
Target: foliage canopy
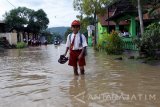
36 21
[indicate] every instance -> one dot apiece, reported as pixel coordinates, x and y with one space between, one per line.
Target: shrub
98 47
114 44
21 45
150 41
102 42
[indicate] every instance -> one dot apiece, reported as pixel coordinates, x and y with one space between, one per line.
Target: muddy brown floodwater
32 77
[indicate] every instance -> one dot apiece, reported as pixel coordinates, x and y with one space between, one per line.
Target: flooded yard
32 77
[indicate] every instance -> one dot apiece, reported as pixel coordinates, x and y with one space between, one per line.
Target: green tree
96 7
17 17
40 18
37 21
149 44
85 22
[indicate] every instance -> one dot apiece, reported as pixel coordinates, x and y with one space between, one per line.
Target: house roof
103 21
122 8
120 3
147 17
156 13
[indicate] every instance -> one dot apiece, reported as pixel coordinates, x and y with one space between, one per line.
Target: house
123 15
11 37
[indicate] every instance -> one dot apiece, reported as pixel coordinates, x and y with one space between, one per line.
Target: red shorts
73 59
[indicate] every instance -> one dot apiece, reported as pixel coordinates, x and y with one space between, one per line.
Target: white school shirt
77 41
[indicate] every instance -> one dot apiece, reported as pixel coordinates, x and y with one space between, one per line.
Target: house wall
101 31
11 37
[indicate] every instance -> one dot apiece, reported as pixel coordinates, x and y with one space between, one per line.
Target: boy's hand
65 54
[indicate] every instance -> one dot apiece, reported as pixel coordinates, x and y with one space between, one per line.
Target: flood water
32 77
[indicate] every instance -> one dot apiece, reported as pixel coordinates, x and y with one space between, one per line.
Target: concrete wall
11 37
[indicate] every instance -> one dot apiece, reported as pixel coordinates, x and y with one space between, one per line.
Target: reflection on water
33 77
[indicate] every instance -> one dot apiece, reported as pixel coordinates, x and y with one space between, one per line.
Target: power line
11 3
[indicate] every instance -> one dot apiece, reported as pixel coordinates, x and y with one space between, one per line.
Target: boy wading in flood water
76 44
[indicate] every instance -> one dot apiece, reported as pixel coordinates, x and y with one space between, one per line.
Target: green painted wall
127 41
101 31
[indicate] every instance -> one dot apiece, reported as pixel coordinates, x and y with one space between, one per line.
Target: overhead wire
11 3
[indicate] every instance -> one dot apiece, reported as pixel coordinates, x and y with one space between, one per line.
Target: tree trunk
140 16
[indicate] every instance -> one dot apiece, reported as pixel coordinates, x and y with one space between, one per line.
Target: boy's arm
67 45
82 52
67 48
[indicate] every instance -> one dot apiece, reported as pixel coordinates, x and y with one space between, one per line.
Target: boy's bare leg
82 70
75 70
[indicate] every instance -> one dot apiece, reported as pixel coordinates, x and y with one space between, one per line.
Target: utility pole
140 16
95 31
108 17
95 22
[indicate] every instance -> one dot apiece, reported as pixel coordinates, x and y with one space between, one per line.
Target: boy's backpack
81 41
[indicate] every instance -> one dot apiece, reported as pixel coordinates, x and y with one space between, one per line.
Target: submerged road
32 77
